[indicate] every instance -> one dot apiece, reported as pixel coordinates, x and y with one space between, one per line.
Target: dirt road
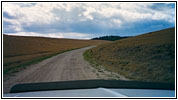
63 67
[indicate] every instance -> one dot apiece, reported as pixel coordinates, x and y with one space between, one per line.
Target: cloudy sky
86 20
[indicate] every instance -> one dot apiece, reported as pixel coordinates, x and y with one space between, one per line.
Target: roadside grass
87 56
94 62
101 71
108 73
25 54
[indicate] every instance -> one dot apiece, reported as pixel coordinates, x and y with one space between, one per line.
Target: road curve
63 67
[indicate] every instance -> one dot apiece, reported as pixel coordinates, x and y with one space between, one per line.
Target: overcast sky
86 20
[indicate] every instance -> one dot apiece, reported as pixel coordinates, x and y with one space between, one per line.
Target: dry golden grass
18 50
147 57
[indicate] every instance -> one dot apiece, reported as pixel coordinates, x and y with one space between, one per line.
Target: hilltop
146 57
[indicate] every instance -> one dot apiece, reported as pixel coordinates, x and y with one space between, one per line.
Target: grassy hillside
147 57
19 51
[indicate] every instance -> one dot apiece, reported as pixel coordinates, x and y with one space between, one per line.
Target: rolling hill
19 51
146 57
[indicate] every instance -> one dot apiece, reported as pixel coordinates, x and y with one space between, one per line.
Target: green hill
147 57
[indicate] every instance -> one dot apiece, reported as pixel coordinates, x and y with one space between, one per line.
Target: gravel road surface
63 67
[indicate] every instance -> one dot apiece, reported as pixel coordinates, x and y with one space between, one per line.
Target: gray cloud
84 18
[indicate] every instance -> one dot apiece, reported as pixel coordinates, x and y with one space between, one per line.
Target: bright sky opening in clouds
86 20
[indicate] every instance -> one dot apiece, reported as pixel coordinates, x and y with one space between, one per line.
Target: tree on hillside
109 38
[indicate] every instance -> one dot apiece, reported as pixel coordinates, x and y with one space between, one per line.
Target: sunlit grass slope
147 57
19 51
